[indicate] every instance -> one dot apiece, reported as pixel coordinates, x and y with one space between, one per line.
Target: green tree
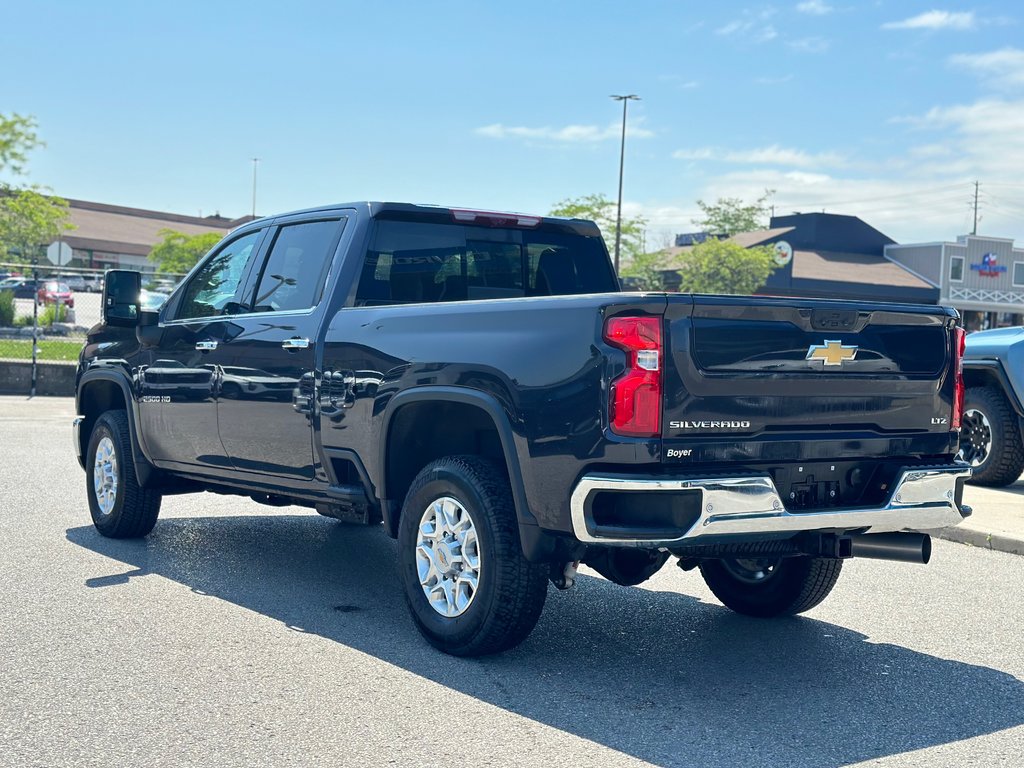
719 266
600 209
17 138
30 220
177 253
645 271
730 215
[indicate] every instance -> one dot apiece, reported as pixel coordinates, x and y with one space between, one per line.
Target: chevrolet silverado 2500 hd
477 383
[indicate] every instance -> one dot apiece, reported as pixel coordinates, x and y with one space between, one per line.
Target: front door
179 385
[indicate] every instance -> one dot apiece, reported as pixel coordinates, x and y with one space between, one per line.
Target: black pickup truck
477 383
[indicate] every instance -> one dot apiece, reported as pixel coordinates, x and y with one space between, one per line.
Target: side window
294 272
216 283
416 262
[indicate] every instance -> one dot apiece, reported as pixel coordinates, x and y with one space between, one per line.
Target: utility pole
622 162
974 229
255 162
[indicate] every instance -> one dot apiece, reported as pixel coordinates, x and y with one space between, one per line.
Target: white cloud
810 45
931 150
772 155
569 134
923 193
935 20
679 82
704 153
1005 67
751 26
814 7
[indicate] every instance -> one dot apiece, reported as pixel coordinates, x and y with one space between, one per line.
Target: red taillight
959 344
635 402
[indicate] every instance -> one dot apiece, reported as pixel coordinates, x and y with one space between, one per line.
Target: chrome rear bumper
751 507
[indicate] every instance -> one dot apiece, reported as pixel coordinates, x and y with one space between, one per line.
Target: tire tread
140 507
803 584
521 585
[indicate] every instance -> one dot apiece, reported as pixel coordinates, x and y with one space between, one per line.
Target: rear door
758 369
268 367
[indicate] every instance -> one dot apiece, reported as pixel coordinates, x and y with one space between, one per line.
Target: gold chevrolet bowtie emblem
832 352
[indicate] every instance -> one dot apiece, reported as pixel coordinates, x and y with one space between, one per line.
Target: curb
973 537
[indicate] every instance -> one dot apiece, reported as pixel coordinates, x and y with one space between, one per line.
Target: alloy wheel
752 570
975 437
104 475
448 556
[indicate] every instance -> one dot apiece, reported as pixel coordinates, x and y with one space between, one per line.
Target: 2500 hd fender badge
709 424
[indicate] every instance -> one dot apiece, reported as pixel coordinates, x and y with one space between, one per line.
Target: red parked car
51 292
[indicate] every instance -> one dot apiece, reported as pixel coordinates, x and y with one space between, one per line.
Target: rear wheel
469 587
990 439
120 507
771 586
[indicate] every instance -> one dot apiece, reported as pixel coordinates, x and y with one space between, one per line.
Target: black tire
794 585
999 441
135 509
511 591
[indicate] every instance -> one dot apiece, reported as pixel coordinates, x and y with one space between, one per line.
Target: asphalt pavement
244 635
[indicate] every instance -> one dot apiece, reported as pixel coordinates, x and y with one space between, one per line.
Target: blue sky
887 110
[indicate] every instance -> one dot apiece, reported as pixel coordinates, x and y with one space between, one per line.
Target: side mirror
121 289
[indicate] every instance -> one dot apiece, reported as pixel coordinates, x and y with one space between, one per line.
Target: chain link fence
46 312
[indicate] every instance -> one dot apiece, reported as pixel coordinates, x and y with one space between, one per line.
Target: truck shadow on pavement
657 675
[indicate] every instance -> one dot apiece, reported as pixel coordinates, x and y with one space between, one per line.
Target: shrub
50 314
6 308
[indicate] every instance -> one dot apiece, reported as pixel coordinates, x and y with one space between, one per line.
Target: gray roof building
115 236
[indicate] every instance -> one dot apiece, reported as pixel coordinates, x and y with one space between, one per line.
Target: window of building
216 283
1018 274
956 269
293 275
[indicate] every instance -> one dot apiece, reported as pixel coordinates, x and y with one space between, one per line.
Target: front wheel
771 586
120 507
469 587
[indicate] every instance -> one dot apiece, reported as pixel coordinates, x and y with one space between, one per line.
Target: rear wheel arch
424 424
991 374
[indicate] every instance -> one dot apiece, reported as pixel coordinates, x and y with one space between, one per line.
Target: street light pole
622 162
255 162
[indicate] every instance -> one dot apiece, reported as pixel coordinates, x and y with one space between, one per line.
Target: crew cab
477 384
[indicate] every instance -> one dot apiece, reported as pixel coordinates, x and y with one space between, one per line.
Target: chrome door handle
206 346
295 343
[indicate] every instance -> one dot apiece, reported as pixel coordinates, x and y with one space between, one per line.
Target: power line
938 205
907 194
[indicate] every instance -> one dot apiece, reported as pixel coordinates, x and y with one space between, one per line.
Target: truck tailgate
767 369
